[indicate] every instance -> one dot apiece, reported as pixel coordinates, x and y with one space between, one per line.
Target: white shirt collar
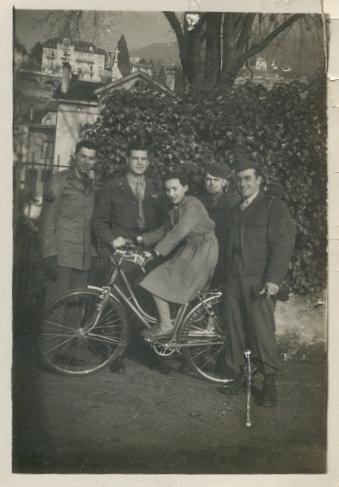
245 203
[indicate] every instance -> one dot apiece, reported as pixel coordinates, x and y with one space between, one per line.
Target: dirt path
140 421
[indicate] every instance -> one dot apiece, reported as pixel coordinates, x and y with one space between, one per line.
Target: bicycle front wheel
202 338
80 333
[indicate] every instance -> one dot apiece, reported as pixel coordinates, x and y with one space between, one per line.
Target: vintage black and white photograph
170 242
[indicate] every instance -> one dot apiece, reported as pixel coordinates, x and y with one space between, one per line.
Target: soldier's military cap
244 162
217 169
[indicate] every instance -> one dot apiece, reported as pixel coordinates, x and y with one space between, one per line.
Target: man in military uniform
66 224
260 246
128 205
218 202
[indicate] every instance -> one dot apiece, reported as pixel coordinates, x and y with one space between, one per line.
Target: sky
139 28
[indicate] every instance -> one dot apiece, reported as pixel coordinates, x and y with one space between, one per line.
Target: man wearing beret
218 203
259 248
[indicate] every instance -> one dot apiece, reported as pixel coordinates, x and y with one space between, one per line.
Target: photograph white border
331 478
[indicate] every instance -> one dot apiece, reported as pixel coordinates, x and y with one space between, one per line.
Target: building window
47 150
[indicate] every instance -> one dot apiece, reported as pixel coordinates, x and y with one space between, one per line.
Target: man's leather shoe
269 397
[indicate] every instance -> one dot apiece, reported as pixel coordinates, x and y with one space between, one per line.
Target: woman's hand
154 261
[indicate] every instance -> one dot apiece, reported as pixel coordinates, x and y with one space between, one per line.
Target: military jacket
116 210
261 239
66 221
219 210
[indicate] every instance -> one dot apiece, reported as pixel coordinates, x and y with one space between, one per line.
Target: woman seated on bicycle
189 233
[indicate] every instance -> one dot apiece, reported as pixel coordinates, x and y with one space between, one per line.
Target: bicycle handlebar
130 253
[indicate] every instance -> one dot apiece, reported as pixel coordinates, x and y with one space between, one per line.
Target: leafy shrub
284 128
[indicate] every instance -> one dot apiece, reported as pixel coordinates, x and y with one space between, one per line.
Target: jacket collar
78 183
124 186
255 204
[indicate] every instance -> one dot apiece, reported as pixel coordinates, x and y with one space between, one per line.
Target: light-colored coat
190 242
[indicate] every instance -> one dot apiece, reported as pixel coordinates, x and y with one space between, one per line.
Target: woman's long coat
190 235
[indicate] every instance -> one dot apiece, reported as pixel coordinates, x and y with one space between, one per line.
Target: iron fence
29 185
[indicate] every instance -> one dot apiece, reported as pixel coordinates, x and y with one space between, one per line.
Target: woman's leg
165 324
164 314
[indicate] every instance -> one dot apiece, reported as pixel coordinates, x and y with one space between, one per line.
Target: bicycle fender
214 298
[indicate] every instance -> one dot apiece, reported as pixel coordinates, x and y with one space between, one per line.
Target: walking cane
247 354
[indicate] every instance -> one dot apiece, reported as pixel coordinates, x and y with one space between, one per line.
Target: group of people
241 243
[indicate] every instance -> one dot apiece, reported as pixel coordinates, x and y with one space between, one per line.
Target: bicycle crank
163 349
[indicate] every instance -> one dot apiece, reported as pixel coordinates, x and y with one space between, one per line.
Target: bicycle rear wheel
203 339
69 342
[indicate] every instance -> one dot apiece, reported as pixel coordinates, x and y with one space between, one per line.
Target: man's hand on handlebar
121 242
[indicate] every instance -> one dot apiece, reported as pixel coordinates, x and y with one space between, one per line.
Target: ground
138 420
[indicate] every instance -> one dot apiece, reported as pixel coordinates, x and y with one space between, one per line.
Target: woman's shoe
156 332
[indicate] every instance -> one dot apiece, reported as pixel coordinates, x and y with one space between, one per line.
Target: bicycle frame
196 324
112 289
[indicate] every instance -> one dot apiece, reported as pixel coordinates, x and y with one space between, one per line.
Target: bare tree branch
259 46
245 31
176 26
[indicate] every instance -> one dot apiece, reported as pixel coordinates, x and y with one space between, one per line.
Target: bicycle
86 329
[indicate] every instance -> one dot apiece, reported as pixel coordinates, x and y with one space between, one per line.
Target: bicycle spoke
59 345
206 357
110 324
203 340
66 350
50 336
57 324
62 318
103 339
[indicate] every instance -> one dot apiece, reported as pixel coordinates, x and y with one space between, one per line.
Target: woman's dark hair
176 174
85 143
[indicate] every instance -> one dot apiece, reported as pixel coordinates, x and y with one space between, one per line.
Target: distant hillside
161 53
303 52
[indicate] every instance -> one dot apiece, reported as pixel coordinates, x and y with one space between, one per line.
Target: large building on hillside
86 60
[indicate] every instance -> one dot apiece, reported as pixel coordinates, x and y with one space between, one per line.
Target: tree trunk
195 73
229 49
213 50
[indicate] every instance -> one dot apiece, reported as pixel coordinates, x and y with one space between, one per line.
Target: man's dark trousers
251 325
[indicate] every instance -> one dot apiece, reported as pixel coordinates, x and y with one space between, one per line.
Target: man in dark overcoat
218 201
260 247
66 237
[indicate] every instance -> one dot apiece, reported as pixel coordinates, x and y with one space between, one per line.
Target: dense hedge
285 128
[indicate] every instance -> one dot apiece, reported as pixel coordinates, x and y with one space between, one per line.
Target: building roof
35 116
100 91
79 90
83 46
89 91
